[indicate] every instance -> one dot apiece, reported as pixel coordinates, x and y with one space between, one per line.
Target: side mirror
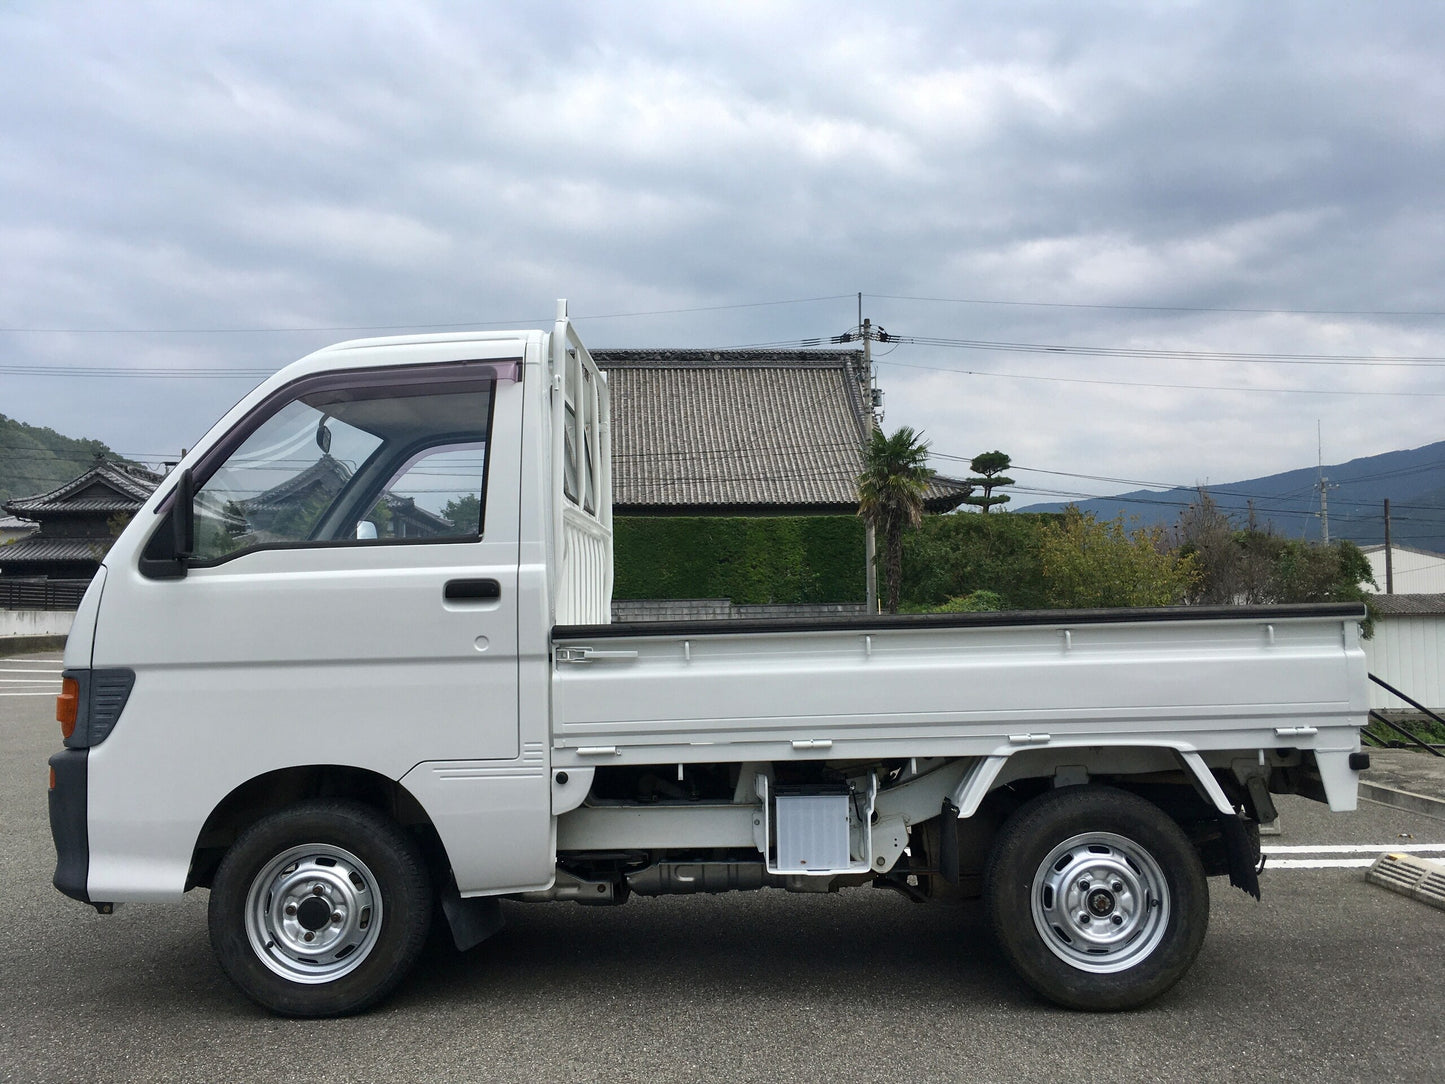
183 516
164 557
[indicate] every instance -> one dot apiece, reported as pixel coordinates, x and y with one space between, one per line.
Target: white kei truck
351 668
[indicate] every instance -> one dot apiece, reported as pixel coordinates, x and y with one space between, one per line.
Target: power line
1157 308
139 372
1164 354
408 327
1160 384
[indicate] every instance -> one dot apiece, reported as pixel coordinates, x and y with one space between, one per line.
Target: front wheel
320 909
1097 897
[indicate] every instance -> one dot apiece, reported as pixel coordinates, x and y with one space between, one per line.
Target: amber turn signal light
67 706
52 778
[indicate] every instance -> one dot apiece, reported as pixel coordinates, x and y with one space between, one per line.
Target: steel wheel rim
313 913
1100 902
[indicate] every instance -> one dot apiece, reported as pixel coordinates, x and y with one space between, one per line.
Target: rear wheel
1097 897
320 909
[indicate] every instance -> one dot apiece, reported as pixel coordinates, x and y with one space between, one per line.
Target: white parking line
1309 857
1355 848
1319 863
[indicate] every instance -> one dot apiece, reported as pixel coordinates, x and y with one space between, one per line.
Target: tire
1097 898
320 909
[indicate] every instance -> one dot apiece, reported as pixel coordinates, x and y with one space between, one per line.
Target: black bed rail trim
1010 619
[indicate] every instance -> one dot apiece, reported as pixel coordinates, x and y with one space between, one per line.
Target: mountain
36 460
1413 480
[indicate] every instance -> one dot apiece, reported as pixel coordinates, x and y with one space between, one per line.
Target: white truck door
351 599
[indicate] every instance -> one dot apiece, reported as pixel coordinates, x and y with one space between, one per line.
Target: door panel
296 642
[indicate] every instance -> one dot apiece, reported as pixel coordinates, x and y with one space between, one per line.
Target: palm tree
890 495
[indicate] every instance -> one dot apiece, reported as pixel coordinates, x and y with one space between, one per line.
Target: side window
579 471
436 495
352 464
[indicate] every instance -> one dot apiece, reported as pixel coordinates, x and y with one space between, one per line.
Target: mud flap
472 920
948 842
1243 873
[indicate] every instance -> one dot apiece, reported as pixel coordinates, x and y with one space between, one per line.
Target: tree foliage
1247 565
988 469
890 496
464 513
35 460
955 556
1089 563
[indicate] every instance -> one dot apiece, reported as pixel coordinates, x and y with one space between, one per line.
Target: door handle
472 591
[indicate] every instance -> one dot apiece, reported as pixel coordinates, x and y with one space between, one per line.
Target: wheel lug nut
1084 917
290 909
1117 886
1117 920
310 936
335 916
1084 885
316 890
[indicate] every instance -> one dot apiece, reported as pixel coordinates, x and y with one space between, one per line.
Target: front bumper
68 822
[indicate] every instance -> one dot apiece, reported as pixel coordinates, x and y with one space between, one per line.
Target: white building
1408 650
1416 572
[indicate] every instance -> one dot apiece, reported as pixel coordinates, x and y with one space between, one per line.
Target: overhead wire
1158 308
412 326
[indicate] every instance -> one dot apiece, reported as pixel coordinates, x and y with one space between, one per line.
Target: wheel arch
1174 778
275 790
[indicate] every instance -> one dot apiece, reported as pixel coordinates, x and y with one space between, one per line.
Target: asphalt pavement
1328 979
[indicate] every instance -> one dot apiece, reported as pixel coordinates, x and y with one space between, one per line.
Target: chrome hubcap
313 913
1100 902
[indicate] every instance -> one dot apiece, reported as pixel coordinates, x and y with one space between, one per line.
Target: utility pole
873 398
1324 486
1389 554
870 538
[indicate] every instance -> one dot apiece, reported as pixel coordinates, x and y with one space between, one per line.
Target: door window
352 462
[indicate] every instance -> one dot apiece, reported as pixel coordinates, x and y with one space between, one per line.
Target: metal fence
40 594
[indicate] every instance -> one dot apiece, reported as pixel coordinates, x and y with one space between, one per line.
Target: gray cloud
170 166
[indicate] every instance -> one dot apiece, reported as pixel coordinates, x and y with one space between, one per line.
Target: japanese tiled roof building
77 521
742 432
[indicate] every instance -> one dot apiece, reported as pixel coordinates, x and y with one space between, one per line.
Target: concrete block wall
29 623
627 611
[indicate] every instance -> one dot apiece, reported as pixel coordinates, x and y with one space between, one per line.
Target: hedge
750 560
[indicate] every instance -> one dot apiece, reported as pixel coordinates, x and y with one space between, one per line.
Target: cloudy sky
1156 188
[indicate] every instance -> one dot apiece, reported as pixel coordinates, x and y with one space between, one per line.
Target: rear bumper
68 823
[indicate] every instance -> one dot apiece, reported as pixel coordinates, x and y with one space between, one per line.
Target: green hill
34 459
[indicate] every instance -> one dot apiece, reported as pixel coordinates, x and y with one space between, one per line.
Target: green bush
955 556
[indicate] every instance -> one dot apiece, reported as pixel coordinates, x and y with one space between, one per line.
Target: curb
1403 799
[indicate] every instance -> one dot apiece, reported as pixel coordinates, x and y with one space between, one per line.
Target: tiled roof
327 474
1408 605
54 549
15 523
709 430
106 487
